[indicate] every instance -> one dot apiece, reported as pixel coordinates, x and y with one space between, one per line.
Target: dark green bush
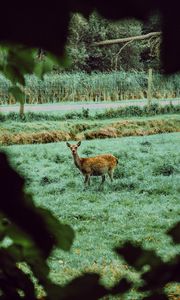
45 180
129 111
2 117
85 113
165 169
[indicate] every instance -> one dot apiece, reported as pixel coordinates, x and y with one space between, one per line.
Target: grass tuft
165 169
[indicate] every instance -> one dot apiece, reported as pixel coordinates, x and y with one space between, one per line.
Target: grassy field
140 205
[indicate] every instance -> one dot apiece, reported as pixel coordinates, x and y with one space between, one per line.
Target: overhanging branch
125 40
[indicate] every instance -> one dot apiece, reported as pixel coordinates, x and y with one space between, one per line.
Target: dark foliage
159 274
33 231
49 28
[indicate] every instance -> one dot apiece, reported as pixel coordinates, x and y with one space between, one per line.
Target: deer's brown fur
94 166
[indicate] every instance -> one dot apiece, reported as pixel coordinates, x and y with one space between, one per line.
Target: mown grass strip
85 131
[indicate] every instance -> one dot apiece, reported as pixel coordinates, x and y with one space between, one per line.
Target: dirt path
79 106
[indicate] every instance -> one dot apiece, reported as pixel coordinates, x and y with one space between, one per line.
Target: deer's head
73 147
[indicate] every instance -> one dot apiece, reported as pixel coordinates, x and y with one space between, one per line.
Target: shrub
2 117
85 113
45 180
165 169
58 159
88 152
125 183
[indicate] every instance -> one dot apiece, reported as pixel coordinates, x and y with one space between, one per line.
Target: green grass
140 205
92 114
36 126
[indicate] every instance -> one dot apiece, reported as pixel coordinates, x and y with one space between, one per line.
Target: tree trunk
149 91
125 40
21 109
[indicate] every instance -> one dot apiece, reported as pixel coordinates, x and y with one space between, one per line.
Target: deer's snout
74 150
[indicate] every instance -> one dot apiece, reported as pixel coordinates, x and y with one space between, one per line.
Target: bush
138 111
2 117
129 111
165 169
85 113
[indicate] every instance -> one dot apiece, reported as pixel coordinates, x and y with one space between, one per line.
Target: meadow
140 205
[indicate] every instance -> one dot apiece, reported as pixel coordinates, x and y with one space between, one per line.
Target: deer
93 166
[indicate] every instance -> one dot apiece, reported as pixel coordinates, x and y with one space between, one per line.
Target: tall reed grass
92 87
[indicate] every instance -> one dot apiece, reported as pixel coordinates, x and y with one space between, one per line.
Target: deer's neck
77 160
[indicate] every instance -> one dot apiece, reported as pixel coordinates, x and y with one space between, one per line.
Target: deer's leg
110 173
87 179
103 179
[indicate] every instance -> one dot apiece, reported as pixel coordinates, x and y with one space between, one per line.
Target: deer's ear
79 143
68 144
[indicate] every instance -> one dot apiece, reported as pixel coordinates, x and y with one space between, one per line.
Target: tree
154 41
52 35
16 62
151 52
87 57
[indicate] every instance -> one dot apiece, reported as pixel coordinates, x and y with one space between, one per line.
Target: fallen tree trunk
128 39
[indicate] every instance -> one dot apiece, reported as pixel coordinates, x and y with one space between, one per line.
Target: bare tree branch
125 40
117 55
